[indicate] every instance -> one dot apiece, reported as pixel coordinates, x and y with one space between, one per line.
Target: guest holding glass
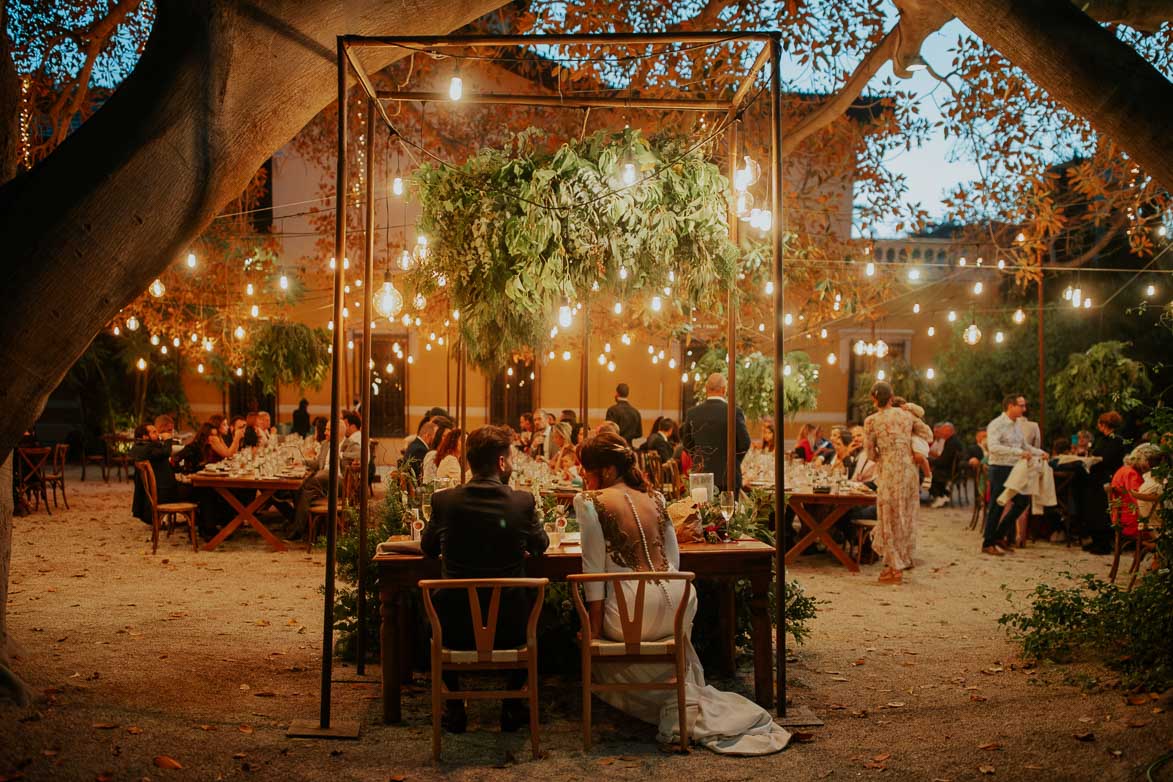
448 457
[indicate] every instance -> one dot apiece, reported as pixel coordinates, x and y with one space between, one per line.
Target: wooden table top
736 548
832 498
225 481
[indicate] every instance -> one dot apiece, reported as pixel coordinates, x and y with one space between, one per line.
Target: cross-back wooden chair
672 483
165 511
1063 479
980 482
31 477
654 469
349 495
632 649
57 477
484 657
958 483
1148 527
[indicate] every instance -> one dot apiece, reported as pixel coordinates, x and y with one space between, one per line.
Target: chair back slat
60 452
147 476
33 459
631 625
484 631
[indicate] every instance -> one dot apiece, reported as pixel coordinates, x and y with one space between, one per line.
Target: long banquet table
831 508
265 488
726 562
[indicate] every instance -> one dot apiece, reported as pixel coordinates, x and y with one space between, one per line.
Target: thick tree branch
835 106
1143 15
1085 67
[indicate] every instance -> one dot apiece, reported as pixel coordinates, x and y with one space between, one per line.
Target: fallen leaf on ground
861 714
993 745
894 704
838 678
986 769
1089 736
802 737
264 694
1137 700
978 698
1086 719
207 727
991 671
878 766
882 758
836 707
105 725
134 730
239 756
245 728
397 778
166 761
606 761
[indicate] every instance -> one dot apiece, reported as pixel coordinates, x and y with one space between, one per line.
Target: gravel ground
204 658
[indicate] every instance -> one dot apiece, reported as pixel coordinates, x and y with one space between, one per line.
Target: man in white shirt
1006 445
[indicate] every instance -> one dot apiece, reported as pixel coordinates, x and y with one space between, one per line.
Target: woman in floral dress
888 436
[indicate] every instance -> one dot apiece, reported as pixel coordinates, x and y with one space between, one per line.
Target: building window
388 411
512 393
247 395
858 366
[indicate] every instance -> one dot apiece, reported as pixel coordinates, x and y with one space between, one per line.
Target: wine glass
728 505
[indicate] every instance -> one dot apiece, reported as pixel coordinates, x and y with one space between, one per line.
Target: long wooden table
265 489
728 562
833 507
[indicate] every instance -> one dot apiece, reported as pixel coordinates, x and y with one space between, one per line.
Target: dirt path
206 657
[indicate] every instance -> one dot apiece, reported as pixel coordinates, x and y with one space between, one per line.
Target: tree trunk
219 88
1085 67
11 687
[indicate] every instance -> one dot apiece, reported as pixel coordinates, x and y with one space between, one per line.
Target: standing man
1006 446
626 417
301 419
484 529
705 432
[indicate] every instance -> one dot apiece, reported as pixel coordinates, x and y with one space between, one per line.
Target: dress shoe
514 714
940 502
993 551
455 718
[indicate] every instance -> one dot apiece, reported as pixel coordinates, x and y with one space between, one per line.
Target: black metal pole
776 237
336 371
731 333
365 374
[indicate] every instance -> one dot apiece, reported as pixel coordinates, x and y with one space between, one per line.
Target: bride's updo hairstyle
607 449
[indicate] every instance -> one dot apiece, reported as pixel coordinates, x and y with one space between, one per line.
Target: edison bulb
141 364
283 283
132 323
397 185
157 288
972 334
238 332
618 308
832 358
565 316
657 304
870 269
191 260
629 174
455 88
930 373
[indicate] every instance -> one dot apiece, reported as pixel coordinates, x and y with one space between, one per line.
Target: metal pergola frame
347 46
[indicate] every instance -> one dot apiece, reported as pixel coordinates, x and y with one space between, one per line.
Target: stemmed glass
728 505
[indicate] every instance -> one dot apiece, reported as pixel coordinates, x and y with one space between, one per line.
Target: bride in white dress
625 528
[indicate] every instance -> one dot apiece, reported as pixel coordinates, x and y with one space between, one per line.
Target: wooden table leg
820 530
389 654
404 636
763 643
244 515
727 643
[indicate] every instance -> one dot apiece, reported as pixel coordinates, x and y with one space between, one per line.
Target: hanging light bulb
972 334
832 358
421 247
684 377
1076 298
1087 303
141 364
743 206
404 260
999 337
154 339
618 308
657 304
116 331
157 288
255 311
565 315
951 317
163 350
441 281
610 366
132 323
881 348
913 273
389 301
870 269
1019 316
602 359
625 339
977 288
283 283
1150 291
208 345
1067 293
881 374
175 342
932 331
769 287
916 309
622 272
787 319
191 260
860 347
249 290
629 174
455 88
930 373
419 302
961 261
1001 264
240 370
238 332
822 333
456 314
397 186
606 347
200 368
762 327
566 355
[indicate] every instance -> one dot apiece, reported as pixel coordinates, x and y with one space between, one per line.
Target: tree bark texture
9 104
1085 67
220 86
11 686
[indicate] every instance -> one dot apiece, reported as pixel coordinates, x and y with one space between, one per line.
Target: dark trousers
938 488
452 608
1000 519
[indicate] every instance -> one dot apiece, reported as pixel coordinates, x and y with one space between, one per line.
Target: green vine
516 232
755 381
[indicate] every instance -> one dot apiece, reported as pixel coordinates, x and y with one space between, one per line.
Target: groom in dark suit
484 529
704 435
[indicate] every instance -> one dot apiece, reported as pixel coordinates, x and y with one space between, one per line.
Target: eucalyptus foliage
755 381
289 354
1102 378
515 232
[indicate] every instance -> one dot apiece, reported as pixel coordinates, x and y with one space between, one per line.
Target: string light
283 283
1019 316
1150 291
455 88
240 371
175 341
832 358
441 281
154 339
930 373
769 287
255 311
657 304
389 301
916 309
977 288
249 289
141 364
622 272
565 315
602 359
132 323
914 274
625 339
972 334
191 260
932 331
617 309
116 331
420 302
881 374
157 288
999 337
610 366
200 368
951 317
629 174
397 186
870 269
1067 292
1076 298
239 332
1087 303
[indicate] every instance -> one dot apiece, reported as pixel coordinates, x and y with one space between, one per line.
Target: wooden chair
981 477
958 484
30 481
484 657
117 460
101 460
57 477
672 483
168 511
863 528
1063 480
1148 527
654 469
348 497
632 649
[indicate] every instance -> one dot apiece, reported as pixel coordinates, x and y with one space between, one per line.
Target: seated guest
236 428
560 437
976 453
415 451
165 426
321 425
1152 489
658 440
1127 480
607 426
442 425
525 433
567 467
484 529
1094 507
1083 443
942 465
448 457
315 486
265 428
148 448
804 447
823 448
539 441
192 457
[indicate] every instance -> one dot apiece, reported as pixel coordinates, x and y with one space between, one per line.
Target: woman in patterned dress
888 436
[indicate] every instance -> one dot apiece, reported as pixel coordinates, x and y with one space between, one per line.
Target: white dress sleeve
429 468
594 546
671 546
449 469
